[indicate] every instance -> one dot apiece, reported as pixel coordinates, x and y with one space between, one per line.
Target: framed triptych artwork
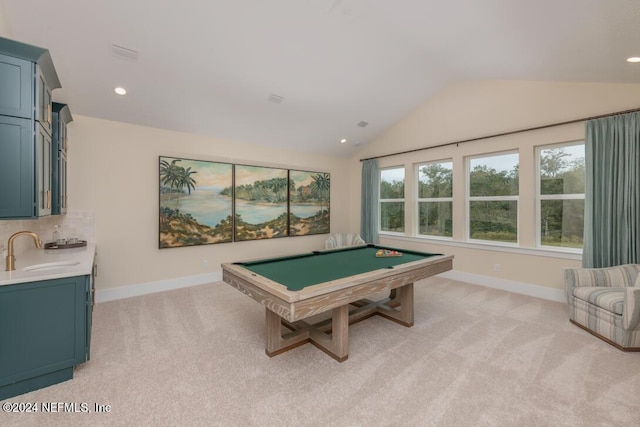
205 202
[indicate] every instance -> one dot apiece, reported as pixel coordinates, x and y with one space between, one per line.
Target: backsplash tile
78 224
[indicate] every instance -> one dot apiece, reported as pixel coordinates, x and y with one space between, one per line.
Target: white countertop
36 257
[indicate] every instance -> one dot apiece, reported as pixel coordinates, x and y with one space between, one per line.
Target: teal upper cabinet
43 170
16 87
27 78
59 143
17 169
43 102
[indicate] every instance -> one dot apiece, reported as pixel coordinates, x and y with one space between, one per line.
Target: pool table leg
336 346
403 298
275 343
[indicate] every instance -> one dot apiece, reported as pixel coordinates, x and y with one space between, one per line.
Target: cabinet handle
48 199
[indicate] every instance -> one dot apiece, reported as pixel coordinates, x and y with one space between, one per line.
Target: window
435 198
392 200
493 197
561 195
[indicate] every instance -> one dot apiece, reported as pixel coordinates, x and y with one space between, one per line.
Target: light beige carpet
475 357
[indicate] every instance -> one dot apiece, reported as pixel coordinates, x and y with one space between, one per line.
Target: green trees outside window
493 197
392 200
435 199
561 195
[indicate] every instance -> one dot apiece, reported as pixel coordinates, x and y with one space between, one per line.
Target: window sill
550 253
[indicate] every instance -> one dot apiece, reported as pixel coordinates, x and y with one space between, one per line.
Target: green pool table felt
299 271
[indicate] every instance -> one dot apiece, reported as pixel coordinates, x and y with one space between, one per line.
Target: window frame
403 200
418 199
540 197
469 199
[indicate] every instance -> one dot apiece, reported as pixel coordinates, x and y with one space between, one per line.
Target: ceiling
209 67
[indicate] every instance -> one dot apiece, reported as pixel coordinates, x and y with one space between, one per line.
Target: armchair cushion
610 299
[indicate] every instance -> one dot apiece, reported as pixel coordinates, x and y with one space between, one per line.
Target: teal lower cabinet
44 332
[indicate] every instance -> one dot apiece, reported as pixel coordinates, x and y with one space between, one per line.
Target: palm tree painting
260 199
193 208
309 201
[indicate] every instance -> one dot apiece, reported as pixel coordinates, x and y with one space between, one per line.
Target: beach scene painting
260 202
194 210
309 201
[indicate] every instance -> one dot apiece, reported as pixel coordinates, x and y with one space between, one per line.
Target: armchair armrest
631 310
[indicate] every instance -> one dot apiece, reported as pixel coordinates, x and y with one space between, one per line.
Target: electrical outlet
496 267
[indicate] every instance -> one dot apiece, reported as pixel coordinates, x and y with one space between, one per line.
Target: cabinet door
17 174
55 164
62 182
43 103
61 116
90 300
58 161
40 323
16 87
43 171
58 181
63 137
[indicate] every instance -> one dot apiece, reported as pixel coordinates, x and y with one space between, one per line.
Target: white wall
4 27
477 108
113 171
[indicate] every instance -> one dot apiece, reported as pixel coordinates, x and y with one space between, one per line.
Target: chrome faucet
11 259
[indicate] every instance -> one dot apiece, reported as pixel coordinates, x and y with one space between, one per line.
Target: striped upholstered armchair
606 302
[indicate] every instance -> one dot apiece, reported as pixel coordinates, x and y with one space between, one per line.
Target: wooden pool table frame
289 308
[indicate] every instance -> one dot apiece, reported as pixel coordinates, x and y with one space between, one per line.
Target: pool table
297 287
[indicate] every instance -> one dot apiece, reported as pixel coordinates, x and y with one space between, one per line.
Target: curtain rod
504 134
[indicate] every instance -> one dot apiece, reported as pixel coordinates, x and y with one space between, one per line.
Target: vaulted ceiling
304 74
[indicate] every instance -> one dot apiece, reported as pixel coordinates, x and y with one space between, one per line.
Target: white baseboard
159 286
201 279
507 285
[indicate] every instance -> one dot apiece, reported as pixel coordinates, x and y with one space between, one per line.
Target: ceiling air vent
276 99
363 124
123 52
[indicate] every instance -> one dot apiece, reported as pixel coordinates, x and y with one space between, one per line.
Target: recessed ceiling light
343 140
120 90
634 59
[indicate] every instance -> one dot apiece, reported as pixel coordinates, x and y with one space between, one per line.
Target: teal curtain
369 206
612 193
